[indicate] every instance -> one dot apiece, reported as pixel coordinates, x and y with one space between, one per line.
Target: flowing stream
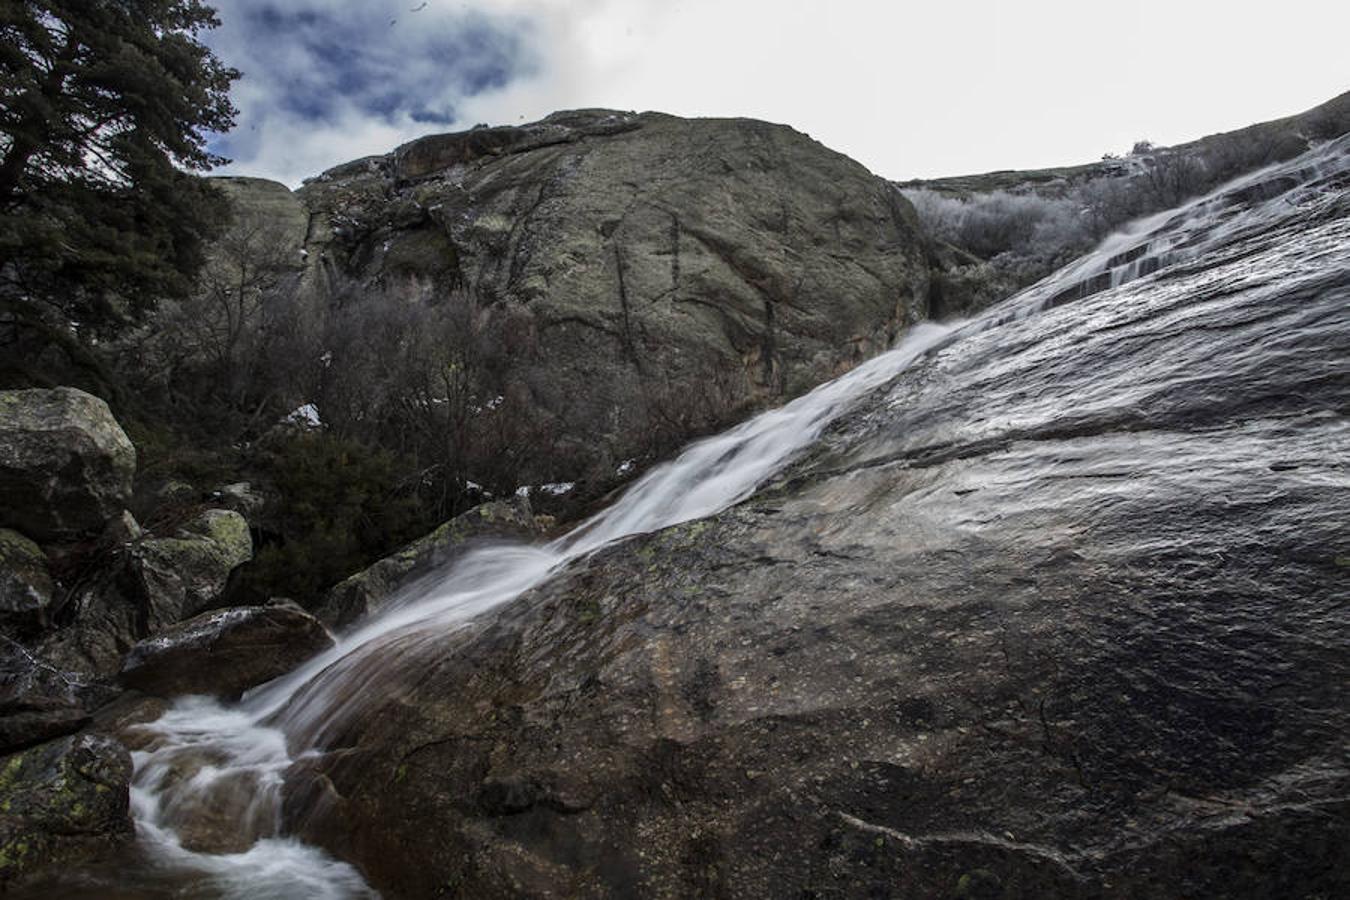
214 766
210 775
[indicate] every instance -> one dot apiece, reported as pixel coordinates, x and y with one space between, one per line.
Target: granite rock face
1058 612
25 583
146 585
644 271
65 464
185 574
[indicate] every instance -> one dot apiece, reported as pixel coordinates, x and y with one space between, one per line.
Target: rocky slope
644 273
997 232
1057 611
1060 612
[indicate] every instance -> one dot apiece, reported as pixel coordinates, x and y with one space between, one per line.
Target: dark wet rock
24 729
353 599
65 464
225 652
122 717
25 584
38 701
140 588
1059 612
187 573
105 617
62 802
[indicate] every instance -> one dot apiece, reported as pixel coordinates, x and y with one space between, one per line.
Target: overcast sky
910 89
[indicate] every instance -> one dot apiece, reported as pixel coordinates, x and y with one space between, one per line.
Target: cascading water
1256 201
206 762
210 776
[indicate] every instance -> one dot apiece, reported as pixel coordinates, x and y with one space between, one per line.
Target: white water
210 761
205 758
1198 227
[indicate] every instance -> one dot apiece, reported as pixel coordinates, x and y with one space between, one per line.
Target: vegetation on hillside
999 232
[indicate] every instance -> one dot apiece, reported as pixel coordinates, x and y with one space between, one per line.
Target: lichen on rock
61 802
66 465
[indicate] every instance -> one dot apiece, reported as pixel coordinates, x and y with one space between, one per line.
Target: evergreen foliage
105 111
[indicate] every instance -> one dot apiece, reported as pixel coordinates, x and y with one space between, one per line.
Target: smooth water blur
208 781
203 758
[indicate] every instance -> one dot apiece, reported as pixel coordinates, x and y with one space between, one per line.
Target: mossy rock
187 573
66 465
61 802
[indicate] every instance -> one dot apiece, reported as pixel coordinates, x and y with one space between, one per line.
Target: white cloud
910 89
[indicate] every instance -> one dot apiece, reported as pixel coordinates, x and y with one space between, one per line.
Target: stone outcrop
37 700
144 586
187 573
353 599
65 464
643 272
225 652
61 802
1059 612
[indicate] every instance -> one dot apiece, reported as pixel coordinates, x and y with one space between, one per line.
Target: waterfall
210 775
238 755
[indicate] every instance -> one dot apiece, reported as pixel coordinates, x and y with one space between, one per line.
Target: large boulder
142 587
1058 612
225 652
65 464
187 573
357 597
61 802
25 584
646 276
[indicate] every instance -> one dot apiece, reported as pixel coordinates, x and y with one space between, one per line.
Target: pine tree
106 107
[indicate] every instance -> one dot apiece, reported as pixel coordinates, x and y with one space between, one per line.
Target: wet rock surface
1058 613
225 652
37 700
143 585
355 598
65 464
62 802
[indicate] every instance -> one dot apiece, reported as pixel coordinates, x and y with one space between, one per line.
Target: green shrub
336 506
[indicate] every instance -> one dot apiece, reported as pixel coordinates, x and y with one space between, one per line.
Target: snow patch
306 415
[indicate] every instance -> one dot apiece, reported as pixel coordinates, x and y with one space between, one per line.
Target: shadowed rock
65 464
25 584
61 802
187 573
38 702
225 652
